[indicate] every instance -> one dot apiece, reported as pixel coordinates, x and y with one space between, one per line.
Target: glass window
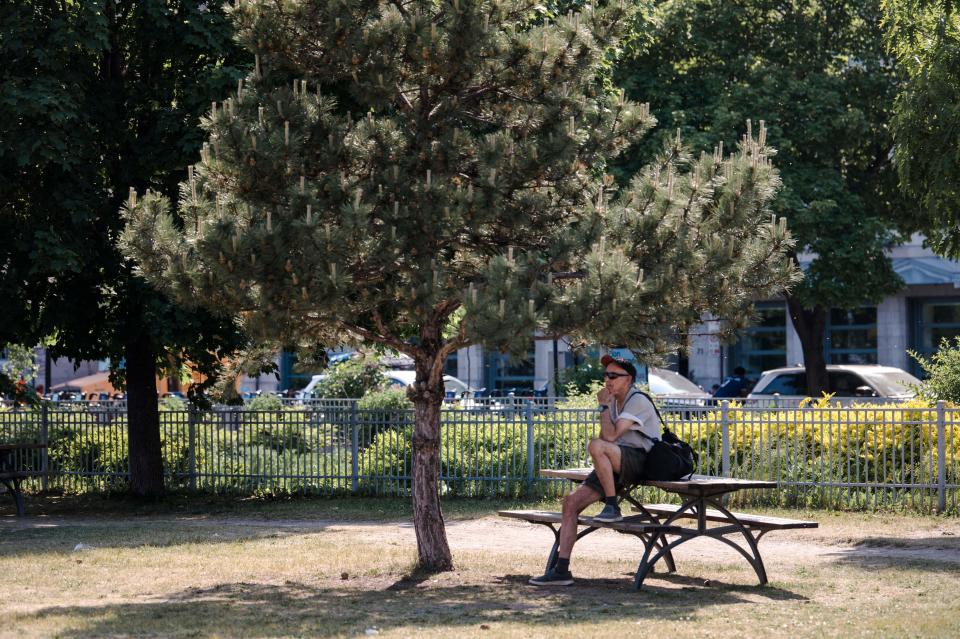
786 384
764 345
450 366
938 321
933 321
893 383
845 384
505 374
851 336
853 316
941 313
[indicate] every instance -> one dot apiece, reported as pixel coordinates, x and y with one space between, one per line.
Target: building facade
916 318
924 312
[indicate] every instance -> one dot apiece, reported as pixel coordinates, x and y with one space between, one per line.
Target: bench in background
13 472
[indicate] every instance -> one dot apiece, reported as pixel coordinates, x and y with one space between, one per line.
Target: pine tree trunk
432 548
143 419
811 324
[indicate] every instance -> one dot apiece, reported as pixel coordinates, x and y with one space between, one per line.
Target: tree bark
811 324
143 418
427 396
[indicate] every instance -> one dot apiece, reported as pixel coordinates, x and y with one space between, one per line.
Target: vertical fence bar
45 440
191 446
354 450
941 457
530 469
725 438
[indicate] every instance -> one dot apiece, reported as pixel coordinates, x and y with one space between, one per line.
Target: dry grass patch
239 576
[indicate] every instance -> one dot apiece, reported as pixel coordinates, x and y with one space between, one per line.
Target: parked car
673 385
845 381
452 386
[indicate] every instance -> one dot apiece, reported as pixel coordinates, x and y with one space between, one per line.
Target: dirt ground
893 538
303 574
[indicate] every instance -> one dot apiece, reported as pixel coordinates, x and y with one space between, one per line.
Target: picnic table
12 471
660 526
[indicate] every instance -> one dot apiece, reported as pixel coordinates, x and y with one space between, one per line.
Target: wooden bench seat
759 522
633 524
12 473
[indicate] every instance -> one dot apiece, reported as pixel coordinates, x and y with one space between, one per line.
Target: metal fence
869 456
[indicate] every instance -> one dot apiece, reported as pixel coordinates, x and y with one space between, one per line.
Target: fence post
530 468
725 438
941 457
192 446
45 440
354 449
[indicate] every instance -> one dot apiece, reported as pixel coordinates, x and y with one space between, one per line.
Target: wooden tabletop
697 483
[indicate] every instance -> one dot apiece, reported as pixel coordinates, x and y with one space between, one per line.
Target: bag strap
637 391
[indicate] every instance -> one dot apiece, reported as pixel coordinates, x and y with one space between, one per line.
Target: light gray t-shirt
641 411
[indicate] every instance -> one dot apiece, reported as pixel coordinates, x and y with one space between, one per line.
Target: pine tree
414 174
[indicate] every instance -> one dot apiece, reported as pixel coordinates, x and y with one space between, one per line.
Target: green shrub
283 438
172 404
580 379
352 379
265 402
582 397
942 371
380 411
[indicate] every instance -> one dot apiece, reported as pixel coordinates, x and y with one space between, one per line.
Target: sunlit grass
330 568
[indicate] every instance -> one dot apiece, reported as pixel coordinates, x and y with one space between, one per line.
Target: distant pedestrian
734 385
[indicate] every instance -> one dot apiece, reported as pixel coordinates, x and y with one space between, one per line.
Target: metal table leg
698 504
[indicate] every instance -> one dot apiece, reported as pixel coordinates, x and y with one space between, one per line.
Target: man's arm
611 432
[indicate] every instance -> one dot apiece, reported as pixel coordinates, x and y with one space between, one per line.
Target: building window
450 366
505 374
764 345
935 320
851 336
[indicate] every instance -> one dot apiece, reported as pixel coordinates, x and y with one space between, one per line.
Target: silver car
859 381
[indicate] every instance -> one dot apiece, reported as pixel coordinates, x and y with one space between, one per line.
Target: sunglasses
611 375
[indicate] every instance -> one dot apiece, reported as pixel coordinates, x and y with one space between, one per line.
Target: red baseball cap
625 364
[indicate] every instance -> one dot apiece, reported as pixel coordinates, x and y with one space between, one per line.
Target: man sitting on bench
618 456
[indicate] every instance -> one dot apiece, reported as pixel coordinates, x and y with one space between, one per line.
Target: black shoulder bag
671 458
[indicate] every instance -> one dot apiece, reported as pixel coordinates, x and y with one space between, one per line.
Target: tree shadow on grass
296 609
933 553
64 537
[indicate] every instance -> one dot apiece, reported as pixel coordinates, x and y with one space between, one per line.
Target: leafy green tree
817 73
18 364
96 97
924 37
413 174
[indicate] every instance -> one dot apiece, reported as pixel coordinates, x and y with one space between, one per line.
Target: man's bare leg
606 461
573 505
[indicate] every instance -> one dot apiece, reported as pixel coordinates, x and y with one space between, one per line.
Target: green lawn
207 567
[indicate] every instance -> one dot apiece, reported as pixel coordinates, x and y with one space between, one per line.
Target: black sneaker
553 578
609 514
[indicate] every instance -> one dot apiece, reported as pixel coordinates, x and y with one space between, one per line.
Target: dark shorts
631 470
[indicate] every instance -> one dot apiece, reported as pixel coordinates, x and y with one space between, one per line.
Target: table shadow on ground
266 610
666 583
